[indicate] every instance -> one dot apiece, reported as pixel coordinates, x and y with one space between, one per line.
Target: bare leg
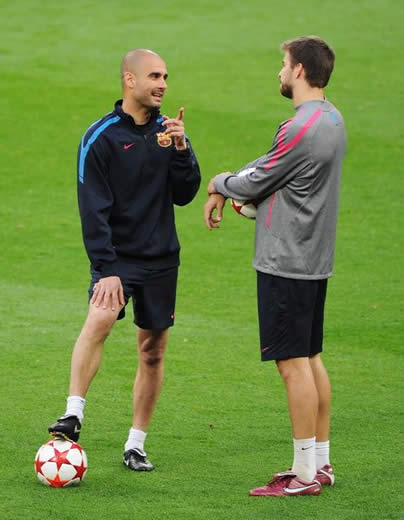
324 392
302 396
149 376
87 352
303 407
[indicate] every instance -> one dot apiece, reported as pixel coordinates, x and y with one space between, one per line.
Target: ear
298 71
129 79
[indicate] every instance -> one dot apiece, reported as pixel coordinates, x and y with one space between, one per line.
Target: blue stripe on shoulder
84 149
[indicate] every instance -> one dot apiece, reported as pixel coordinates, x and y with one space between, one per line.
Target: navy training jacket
129 178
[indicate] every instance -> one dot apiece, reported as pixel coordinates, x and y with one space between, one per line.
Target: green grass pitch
221 426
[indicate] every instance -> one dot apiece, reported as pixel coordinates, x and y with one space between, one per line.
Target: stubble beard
148 102
286 90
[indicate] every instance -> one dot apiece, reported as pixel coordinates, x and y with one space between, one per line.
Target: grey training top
297 186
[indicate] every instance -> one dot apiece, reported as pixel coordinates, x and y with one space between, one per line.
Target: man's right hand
214 204
108 293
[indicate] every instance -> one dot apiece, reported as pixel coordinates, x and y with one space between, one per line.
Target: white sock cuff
76 397
137 435
322 445
135 440
304 443
75 406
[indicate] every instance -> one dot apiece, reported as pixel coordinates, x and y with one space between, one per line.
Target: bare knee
99 324
285 369
152 358
152 348
292 368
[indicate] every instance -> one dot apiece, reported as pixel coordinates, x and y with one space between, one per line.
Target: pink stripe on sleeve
283 148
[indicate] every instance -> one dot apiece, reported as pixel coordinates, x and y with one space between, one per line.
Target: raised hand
175 128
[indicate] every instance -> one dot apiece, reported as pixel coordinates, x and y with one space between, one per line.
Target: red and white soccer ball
60 463
246 208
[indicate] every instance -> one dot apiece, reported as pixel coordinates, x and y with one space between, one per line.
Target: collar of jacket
154 115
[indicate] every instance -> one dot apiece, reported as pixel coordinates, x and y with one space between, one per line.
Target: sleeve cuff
218 183
107 270
182 153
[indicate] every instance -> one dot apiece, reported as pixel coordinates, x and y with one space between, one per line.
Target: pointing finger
180 115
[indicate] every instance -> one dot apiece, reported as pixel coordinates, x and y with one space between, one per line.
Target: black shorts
291 316
153 294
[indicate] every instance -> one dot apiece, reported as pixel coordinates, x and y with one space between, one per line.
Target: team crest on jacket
164 140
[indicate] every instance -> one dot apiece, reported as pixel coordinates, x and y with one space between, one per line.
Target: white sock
135 440
322 454
304 462
75 406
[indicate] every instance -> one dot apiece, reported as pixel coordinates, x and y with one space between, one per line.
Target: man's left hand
175 128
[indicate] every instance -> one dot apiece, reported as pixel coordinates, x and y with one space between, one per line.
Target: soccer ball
246 208
60 463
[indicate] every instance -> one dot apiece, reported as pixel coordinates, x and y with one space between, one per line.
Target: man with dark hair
316 57
133 166
296 185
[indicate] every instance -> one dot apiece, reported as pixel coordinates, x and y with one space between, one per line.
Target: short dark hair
315 55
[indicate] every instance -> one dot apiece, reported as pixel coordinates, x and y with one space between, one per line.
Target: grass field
221 426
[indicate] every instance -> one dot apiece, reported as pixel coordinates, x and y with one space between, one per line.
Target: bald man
134 165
